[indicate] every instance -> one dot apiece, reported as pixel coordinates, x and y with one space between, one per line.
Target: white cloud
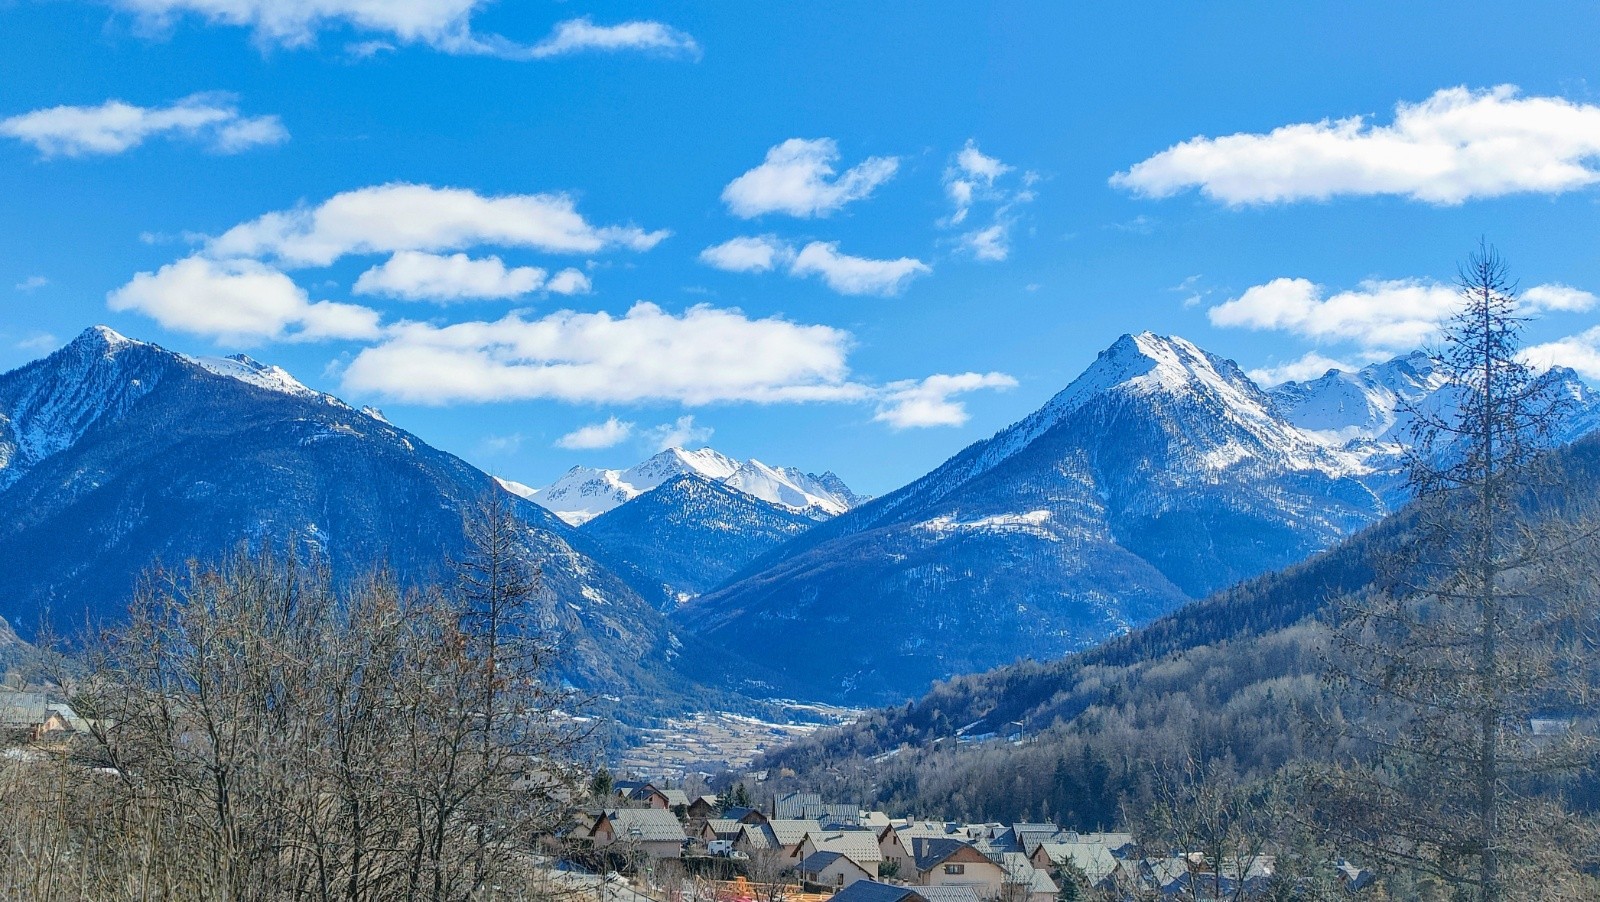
915 404
444 25
704 355
759 253
406 217
856 275
417 276
1457 145
1395 315
1398 314
32 283
1581 352
992 243
501 444
1312 365
797 177
582 35
239 301
608 434
114 126
569 281
971 173
974 178
1556 299
682 433
39 341
842 272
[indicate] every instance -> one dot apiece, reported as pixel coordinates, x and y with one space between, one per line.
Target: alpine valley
1159 476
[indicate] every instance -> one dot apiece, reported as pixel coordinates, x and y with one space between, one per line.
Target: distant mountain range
1232 675
1160 475
584 493
116 454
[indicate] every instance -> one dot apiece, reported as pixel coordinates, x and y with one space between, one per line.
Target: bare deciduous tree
260 733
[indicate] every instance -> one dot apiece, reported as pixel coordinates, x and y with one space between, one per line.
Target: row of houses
837 847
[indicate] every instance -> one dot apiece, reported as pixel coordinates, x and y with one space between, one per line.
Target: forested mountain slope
1231 678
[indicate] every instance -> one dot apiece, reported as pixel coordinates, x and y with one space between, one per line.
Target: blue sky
453 209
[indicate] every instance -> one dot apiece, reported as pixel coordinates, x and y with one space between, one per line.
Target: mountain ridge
1161 474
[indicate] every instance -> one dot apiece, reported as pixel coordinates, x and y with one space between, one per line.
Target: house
720 828
703 808
677 799
949 893
840 816
799 806
877 820
834 869
33 716
861 846
1093 860
656 831
745 815
894 849
951 862
873 891
1024 882
635 791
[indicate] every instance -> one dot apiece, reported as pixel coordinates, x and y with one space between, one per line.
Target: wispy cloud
702 356
406 217
443 25
419 276
856 275
1310 365
501 444
974 178
211 120
757 253
39 341
1395 315
583 36
681 433
31 284
1581 352
918 404
607 434
1457 145
798 178
842 272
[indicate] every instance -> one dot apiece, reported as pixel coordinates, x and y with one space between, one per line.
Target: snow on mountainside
690 533
584 493
1159 475
88 382
261 375
1369 414
116 454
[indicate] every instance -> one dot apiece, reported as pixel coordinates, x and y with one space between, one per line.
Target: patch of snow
584 493
1029 522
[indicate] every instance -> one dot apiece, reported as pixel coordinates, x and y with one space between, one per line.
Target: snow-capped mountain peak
47 405
584 493
1366 405
261 375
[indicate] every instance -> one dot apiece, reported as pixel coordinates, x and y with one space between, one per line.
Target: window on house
955 869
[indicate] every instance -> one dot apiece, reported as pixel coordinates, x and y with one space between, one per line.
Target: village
643 841
800 848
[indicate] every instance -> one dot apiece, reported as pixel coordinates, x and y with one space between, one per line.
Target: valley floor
718 741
